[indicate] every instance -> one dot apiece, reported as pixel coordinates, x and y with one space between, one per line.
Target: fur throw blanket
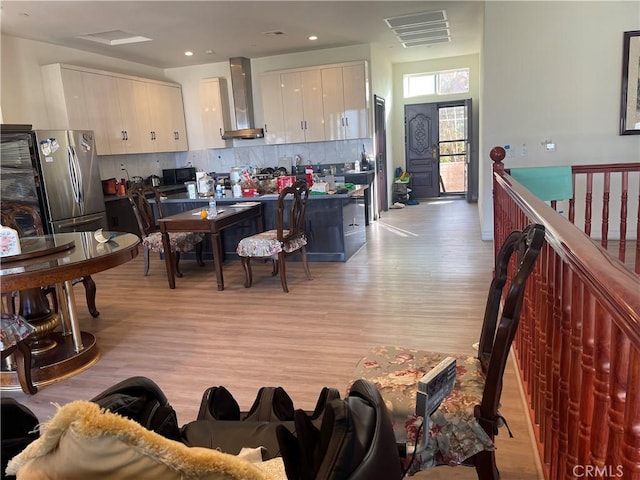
83 441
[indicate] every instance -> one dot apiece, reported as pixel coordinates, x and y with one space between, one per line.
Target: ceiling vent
419 29
114 37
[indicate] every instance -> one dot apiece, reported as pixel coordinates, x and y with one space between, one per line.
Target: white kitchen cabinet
127 114
344 95
215 112
64 98
179 129
272 108
168 133
302 105
311 104
103 113
135 115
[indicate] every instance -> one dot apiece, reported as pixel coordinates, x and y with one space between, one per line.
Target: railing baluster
588 375
631 438
575 376
606 194
624 195
602 363
617 388
565 370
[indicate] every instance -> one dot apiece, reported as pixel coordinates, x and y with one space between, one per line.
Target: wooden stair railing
578 348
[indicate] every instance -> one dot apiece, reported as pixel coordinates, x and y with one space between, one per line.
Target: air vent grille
421 29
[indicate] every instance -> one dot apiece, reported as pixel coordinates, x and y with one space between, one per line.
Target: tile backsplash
222 160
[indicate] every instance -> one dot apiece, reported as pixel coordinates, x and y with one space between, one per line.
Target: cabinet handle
151 135
126 135
265 128
122 135
176 135
305 124
220 131
342 121
346 121
301 125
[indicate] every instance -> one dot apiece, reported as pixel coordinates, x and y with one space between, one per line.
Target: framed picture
630 107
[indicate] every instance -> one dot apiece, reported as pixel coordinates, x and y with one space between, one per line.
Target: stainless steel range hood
242 100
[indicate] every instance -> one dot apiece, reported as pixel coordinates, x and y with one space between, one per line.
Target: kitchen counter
168 189
335 223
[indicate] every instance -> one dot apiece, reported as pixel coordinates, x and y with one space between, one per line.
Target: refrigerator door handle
76 177
81 222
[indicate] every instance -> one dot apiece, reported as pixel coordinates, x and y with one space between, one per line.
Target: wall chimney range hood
242 100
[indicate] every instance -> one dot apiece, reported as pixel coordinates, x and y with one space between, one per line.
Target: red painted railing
578 344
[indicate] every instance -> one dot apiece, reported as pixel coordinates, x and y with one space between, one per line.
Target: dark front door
421 144
380 138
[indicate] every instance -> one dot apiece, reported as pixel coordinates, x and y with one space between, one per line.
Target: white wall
552 70
21 92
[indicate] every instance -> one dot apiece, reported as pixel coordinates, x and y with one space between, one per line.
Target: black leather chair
354 442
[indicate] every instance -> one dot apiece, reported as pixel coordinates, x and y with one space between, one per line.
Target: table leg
216 248
70 302
367 203
168 260
63 310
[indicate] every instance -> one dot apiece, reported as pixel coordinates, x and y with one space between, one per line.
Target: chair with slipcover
462 429
150 232
287 239
27 222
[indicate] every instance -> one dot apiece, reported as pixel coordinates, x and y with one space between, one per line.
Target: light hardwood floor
420 281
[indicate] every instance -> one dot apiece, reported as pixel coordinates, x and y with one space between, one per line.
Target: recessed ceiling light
209 52
313 37
188 53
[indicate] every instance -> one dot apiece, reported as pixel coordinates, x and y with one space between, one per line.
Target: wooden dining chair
27 222
287 239
150 232
463 428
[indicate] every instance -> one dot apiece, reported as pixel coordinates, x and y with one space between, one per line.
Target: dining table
59 348
212 224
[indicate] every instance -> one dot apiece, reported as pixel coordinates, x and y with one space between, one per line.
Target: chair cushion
454 433
266 244
180 241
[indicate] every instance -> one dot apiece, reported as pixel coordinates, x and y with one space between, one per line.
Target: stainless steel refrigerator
57 170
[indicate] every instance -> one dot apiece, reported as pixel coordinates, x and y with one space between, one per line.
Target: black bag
140 399
222 426
18 430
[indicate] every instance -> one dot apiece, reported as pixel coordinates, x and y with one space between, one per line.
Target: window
446 82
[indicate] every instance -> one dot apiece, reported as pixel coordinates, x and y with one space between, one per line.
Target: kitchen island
335 223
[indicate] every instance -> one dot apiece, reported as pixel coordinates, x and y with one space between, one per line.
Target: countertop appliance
178 176
55 171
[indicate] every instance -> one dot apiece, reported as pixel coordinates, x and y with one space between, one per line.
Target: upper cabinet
313 104
302 106
215 113
127 114
345 102
273 108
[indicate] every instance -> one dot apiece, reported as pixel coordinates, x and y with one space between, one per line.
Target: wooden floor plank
420 281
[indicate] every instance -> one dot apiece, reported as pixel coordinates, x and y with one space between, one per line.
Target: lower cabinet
120 217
